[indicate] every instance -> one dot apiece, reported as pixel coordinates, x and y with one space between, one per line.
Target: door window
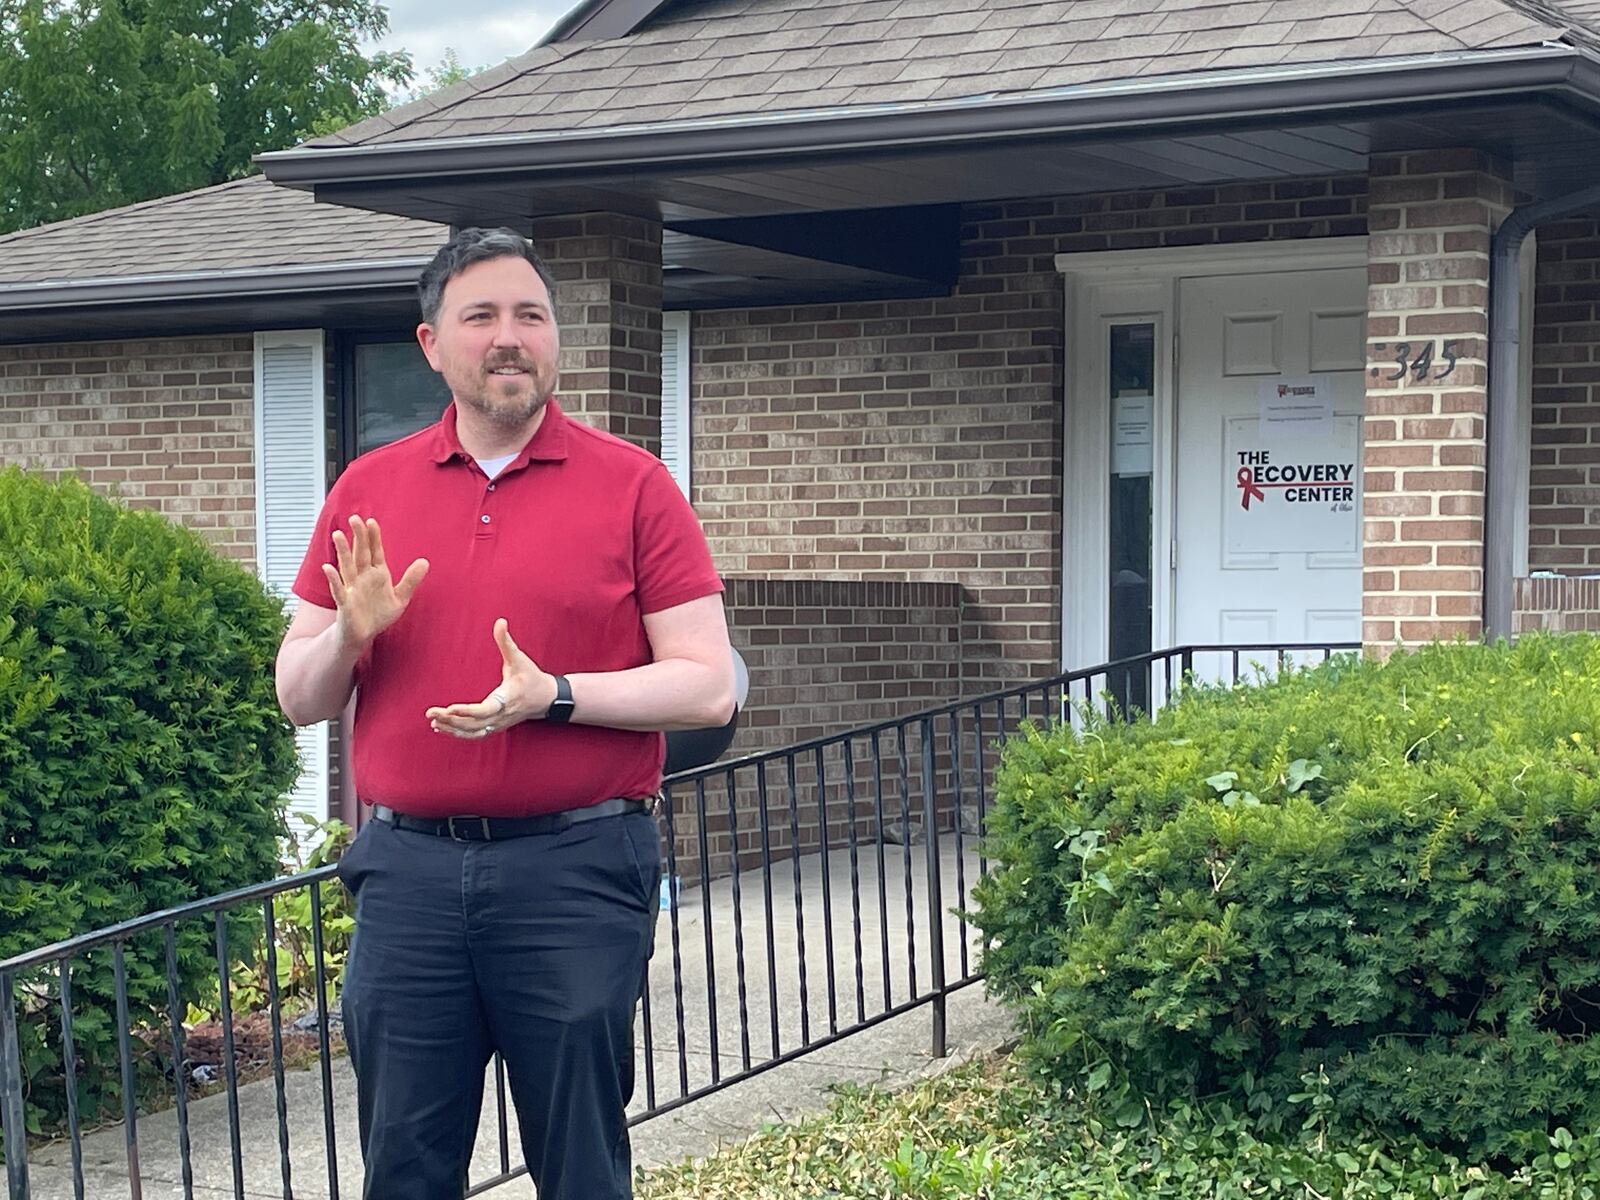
1131 358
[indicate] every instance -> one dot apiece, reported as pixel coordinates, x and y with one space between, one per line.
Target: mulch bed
204 1051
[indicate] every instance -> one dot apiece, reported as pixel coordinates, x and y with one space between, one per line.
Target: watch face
562 706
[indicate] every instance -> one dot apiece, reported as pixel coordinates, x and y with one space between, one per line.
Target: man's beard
507 407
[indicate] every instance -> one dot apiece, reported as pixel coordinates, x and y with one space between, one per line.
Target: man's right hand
366 596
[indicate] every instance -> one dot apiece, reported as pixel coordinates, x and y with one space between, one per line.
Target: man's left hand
525 692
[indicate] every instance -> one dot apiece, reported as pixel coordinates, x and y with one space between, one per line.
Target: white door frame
1116 287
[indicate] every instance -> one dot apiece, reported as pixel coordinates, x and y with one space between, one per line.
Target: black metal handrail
839 798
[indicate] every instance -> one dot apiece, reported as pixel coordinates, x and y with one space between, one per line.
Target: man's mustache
515 360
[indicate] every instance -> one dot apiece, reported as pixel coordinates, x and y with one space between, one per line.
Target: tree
107 102
449 71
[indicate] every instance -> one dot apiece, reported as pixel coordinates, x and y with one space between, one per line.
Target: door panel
1235 332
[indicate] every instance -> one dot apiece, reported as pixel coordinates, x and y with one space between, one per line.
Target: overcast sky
495 31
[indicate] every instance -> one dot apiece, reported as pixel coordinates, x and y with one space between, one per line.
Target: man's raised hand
366 596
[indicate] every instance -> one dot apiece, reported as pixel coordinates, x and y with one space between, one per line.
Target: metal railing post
11 1092
930 841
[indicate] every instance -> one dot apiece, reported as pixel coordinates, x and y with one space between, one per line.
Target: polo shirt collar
549 444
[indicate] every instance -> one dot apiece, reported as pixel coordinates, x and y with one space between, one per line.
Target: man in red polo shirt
557 609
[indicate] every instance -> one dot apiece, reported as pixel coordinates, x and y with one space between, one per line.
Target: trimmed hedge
1384 872
143 759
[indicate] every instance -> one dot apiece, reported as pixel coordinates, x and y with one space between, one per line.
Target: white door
1268 500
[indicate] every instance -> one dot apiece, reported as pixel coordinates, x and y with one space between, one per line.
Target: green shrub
1386 873
143 759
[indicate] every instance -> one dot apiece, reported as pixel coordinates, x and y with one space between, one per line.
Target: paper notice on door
1132 423
1296 407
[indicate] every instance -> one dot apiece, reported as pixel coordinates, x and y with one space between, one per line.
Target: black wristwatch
560 710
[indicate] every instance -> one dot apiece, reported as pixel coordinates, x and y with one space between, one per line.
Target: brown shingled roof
246 225
702 59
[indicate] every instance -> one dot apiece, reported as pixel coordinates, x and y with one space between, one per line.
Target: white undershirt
493 466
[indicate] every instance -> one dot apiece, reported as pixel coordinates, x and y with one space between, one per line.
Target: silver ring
486 731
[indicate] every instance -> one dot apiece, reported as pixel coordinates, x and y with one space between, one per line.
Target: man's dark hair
471 246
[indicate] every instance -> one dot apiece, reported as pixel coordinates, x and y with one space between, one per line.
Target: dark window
390 391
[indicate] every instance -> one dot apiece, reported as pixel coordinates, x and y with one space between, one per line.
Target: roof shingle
247 224
720 58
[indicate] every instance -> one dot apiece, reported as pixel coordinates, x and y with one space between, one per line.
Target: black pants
535 947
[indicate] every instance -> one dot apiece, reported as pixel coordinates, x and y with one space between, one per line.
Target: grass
985 1131
846 1151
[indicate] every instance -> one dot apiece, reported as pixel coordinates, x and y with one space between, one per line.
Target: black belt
494 829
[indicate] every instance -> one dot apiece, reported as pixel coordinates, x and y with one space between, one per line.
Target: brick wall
167 423
1564 496
1556 605
1432 215
921 439
608 276
829 655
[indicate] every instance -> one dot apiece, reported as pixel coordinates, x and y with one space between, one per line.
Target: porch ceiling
1550 144
781 231
773 229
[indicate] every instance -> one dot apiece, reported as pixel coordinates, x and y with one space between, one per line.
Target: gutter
1505 400
212 285
1142 104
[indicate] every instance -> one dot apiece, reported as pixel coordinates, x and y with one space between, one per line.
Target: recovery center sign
1293 474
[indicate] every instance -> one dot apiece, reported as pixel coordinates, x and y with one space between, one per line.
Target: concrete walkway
680 1056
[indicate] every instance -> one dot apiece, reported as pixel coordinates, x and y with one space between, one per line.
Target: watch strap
560 710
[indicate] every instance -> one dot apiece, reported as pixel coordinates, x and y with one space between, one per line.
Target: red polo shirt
578 538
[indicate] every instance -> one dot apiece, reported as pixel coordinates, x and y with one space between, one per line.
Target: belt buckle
482 833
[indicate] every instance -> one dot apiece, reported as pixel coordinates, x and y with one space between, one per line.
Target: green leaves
1301 772
107 104
143 759
1384 868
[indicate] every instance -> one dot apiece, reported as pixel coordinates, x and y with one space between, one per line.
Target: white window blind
675 430
290 461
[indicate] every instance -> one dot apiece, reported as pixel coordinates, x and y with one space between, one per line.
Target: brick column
1431 217
608 276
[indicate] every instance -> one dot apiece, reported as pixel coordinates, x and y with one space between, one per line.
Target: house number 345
1416 359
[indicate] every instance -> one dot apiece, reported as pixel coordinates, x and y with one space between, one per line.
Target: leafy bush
1383 875
143 759
294 942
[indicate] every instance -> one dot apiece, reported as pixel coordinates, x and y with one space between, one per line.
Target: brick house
986 336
